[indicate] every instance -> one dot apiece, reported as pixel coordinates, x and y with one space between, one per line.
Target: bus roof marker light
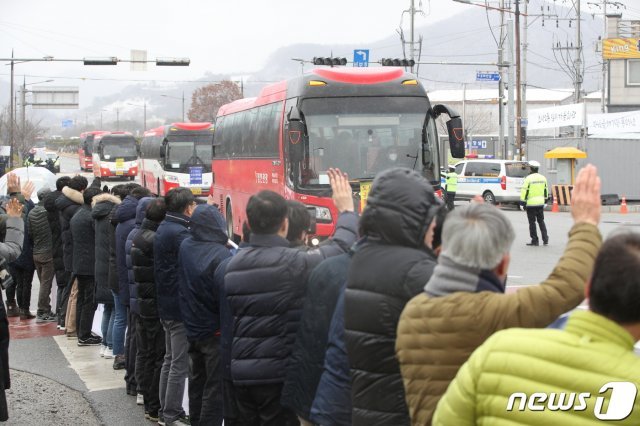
410 82
317 83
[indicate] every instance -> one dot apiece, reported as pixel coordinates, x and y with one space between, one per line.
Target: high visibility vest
452 182
534 190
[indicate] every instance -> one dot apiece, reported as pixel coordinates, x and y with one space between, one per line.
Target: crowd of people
401 317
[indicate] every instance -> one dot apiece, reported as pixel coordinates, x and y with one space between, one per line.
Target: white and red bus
85 150
177 154
361 121
115 155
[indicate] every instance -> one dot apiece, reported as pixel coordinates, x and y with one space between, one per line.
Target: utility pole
11 120
503 145
511 119
604 62
412 12
523 87
578 61
518 84
183 106
117 118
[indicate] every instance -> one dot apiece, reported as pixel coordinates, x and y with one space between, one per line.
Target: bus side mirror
163 150
454 128
295 135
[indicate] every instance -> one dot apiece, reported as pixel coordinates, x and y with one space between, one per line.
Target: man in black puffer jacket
149 331
40 232
265 286
390 266
62 277
67 205
84 260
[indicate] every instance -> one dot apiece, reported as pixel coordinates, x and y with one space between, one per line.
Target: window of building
633 72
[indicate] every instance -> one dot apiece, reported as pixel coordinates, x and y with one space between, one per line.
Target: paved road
54 372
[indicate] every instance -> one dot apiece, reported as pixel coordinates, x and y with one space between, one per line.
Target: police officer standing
534 196
451 187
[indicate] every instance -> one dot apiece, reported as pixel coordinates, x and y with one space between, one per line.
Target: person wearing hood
125 217
149 332
62 276
199 256
84 259
40 233
464 302
131 347
388 268
103 207
67 205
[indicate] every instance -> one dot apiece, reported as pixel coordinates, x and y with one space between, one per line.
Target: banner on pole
620 122
563 115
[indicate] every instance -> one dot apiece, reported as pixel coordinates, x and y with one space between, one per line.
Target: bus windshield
365 135
120 149
182 155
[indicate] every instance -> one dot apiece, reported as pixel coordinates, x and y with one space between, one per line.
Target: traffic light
329 61
395 62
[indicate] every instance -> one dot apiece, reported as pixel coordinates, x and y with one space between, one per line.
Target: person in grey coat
40 233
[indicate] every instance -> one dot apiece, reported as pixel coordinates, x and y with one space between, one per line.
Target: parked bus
361 121
85 150
115 154
177 154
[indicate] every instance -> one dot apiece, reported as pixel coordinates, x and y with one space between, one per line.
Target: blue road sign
67 124
487 76
361 58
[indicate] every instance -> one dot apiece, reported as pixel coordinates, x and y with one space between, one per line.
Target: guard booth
566 171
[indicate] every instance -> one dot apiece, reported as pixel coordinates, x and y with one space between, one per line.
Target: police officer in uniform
451 186
534 196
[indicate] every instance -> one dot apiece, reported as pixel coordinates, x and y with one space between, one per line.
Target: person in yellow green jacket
589 369
533 197
463 302
451 187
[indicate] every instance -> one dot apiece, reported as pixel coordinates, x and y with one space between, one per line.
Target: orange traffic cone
554 207
623 206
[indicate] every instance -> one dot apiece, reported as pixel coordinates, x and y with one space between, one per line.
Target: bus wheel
229 218
132 177
489 198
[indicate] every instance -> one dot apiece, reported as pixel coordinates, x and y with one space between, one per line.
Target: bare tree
206 100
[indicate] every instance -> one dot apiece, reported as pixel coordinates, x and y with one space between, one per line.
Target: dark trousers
85 306
44 267
205 396
533 214
230 404
260 405
151 346
130 350
63 279
22 279
5 380
450 198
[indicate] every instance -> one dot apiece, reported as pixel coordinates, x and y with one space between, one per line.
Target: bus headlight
315 242
323 215
171 178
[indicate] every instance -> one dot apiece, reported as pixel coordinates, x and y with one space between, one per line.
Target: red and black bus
361 121
85 150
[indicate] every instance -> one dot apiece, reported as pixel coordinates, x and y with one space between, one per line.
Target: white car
497 181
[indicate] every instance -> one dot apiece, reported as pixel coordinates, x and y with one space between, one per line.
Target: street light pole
183 106
11 141
518 82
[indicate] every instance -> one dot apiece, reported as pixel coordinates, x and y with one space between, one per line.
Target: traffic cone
623 206
554 207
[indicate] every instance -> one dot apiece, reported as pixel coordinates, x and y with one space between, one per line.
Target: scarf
449 277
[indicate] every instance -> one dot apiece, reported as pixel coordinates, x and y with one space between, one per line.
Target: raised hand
14 208
585 197
342 194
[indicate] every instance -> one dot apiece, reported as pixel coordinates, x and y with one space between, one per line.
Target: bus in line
115 155
177 154
360 120
85 150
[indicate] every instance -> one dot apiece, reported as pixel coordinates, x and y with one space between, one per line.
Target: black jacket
133 286
67 205
102 211
54 224
84 241
39 230
200 255
326 283
389 268
125 217
142 264
173 230
259 275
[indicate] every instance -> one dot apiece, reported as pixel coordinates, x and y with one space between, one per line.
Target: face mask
393 157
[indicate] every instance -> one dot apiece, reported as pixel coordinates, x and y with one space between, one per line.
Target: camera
5 277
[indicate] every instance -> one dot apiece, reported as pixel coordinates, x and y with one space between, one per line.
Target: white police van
497 181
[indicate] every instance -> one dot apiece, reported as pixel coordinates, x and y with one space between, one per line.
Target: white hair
477 235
